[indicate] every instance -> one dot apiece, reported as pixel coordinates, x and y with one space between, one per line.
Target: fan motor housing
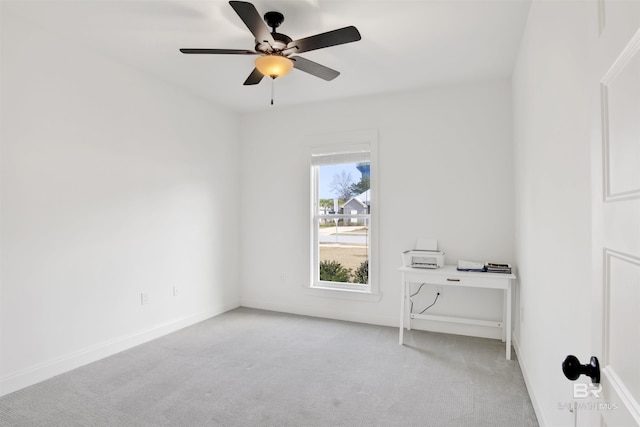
281 42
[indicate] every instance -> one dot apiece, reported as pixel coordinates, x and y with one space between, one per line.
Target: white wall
113 184
445 172
552 171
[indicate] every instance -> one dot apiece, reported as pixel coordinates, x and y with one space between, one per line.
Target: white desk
450 276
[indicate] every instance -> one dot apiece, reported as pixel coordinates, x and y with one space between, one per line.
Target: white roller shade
325 155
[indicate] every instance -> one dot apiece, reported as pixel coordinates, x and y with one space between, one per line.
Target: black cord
413 295
416 293
434 303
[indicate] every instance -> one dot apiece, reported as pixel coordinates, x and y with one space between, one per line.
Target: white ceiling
405 44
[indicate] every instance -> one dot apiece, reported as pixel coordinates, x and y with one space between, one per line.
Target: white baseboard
324 312
392 321
535 402
46 370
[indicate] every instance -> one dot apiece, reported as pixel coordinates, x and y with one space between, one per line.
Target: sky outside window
326 174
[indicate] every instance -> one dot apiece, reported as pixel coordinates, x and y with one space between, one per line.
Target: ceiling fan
278 52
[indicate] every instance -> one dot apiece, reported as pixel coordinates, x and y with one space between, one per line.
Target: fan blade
254 78
221 51
331 38
314 68
252 19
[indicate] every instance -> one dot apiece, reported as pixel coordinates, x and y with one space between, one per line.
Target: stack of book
497 268
489 267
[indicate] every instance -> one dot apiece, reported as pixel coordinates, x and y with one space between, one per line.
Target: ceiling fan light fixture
274 65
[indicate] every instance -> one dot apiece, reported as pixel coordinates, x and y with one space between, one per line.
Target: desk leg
504 316
508 328
402 304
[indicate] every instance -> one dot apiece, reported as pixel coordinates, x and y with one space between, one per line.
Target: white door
616 214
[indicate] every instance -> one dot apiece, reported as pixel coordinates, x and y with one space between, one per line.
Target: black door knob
573 369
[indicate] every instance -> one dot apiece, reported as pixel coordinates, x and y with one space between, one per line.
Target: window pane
344 250
344 188
343 243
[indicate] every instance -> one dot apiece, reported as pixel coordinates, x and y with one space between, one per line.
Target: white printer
425 255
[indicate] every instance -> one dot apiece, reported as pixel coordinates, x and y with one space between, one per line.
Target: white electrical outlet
439 290
144 298
175 291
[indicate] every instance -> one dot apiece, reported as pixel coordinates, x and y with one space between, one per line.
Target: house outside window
343 211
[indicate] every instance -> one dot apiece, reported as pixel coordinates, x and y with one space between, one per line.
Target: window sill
348 294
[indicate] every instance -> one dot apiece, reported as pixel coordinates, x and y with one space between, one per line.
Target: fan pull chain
272 89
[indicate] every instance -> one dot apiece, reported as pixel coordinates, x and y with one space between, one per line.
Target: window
343 212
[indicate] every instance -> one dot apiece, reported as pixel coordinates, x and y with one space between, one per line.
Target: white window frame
336 148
